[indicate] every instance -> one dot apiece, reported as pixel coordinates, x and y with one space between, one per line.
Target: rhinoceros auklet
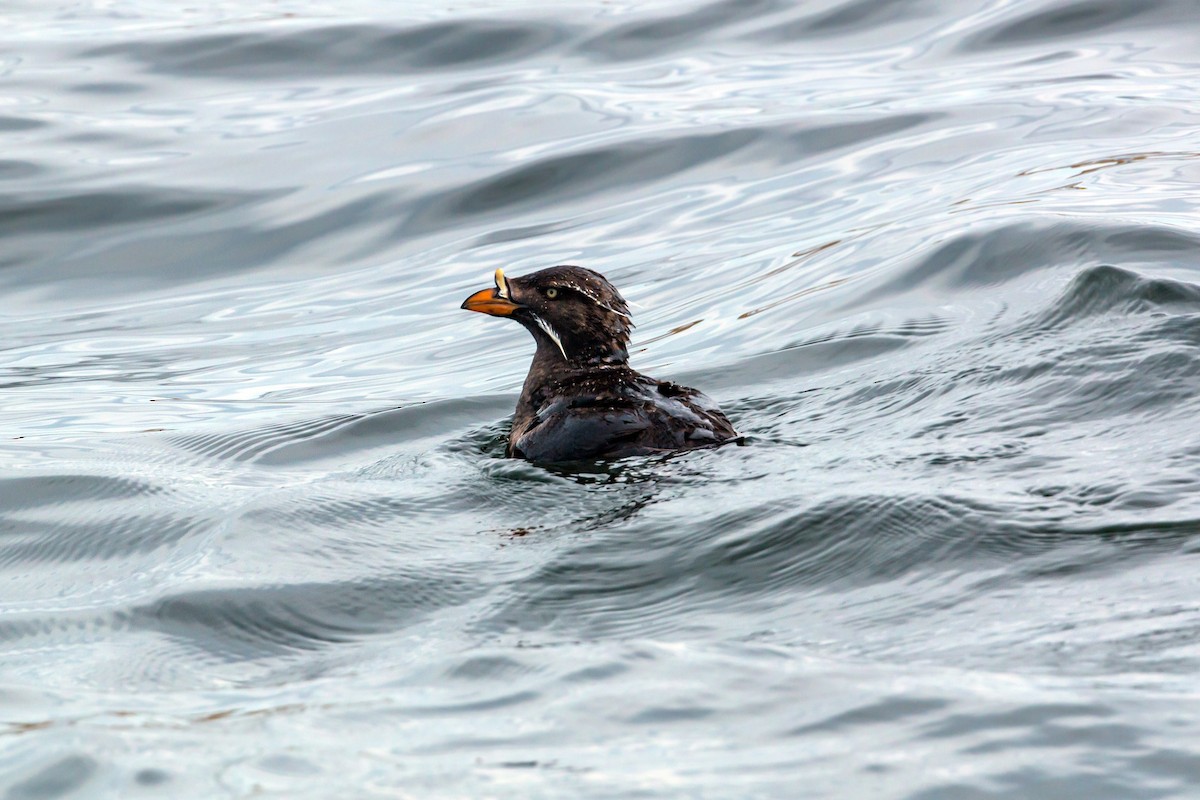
581 399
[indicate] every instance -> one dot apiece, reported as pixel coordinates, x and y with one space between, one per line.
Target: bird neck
576 355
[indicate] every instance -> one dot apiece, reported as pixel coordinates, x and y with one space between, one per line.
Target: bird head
571 311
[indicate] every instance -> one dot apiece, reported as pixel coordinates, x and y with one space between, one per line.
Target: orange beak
492 301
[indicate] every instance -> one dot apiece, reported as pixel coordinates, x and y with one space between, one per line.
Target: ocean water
939 262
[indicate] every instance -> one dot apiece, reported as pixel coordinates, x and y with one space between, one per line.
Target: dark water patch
658 36
1112 342
894 394
341 435
595 172
668 715
520 233
181 237
20 124
335 50
262 621
62 778
1178 764
847 539
1061 728
1151 383
771 420
1021 784
1023 718
1109 290
19 630
600 594
397 427
240 246
79 518
848 18
608 586
1153 241
16 170
1139 531
571 177
971 261
809 357
151 777
253 444
500 698
1182 329
879 712
101 537
22 214
865 13
819 139
114 88
1064 21
490 667
987 397
50 490
1092 383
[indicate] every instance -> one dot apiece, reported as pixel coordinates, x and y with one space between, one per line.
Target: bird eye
552 293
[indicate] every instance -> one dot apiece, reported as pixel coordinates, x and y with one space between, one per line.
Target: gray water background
940 262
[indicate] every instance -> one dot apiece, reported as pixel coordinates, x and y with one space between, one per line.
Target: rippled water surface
940 262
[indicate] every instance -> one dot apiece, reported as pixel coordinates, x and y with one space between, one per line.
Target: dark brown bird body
581 399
